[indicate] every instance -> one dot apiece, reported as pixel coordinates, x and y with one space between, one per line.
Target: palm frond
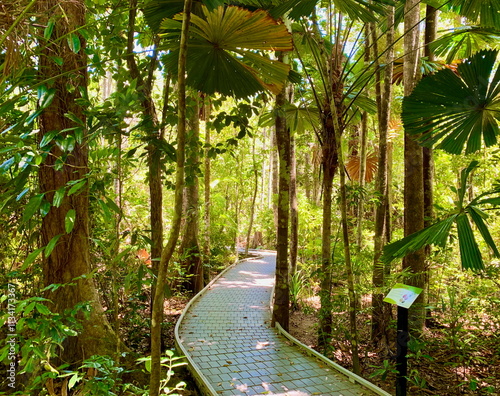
226 51
456 110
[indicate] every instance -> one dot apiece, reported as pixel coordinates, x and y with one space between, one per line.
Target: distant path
225 333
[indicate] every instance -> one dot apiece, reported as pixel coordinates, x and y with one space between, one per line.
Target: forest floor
434 372
436 367
446 361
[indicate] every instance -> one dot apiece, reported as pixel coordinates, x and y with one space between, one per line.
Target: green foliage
386 369
456 110
221 51
170 362
438 233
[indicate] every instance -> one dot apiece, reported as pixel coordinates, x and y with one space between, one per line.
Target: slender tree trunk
207 205
329 165
190 248
294 209
118 218
281 291
413 179
275 178
431 21
307 176
153 152
70 259
254 197
157 314
379 321
362 177
347 258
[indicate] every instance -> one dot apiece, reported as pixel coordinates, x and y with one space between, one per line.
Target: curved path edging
352 377
201 381
231 348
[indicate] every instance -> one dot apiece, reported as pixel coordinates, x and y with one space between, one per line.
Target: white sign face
403 295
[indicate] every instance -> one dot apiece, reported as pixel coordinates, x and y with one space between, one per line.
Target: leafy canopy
227 51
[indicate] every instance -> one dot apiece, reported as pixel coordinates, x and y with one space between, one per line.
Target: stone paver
227 333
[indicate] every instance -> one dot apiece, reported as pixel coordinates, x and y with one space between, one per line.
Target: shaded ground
436 366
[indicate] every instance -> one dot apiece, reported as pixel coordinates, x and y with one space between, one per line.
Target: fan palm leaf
463 42
484 12
456 110
226 51
461 216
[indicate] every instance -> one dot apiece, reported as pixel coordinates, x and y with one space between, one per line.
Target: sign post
403 296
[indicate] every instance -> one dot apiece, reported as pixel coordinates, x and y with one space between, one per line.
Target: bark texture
190 247
70 259
379 319
413 178
281 293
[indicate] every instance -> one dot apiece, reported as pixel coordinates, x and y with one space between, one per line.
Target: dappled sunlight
262 345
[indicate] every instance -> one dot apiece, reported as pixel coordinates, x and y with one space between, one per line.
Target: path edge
352 377
200 380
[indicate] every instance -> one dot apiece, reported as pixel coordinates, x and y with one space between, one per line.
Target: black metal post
402 349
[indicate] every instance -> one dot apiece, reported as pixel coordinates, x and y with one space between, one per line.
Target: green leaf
58 197
42 309
48 137
469 251
45 96
69 220
463 42
32 207
75 119
7 164
113 206
51 245
77 187
484 12
456 110
225 51
47 33
73 380
74 42
30 258
477 217
436 234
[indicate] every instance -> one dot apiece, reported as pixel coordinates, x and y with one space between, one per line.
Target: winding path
226 336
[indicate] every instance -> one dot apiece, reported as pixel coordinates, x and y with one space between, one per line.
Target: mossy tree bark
69 262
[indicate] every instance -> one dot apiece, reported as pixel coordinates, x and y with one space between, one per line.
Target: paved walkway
226 336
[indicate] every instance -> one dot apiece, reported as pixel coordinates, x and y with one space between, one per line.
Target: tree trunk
275 178
362 176
329 165
413 178
294 209
254 197
153 152
281 291
190 248
379 321
157 313
207 204
70 259
431 21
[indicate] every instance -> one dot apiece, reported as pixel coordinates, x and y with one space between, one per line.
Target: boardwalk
232 350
